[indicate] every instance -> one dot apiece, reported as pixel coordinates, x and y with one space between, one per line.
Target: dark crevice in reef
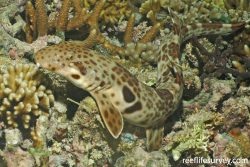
76 94
220 102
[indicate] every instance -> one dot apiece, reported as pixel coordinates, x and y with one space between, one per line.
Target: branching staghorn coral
112 12
23 98
63 23
38 22
151 7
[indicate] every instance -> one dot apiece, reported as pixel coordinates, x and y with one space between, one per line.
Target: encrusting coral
195 135
234 144
139 157
22 97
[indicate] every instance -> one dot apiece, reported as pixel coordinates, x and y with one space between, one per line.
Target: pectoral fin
111 116
154 138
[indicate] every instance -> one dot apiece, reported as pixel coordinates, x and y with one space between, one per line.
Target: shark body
118 94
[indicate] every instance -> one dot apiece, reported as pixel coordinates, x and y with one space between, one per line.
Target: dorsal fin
112 118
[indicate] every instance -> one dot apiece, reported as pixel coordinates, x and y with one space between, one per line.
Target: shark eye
75 76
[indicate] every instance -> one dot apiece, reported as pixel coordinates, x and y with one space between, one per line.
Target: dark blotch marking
102 101
211 26
119 82
123 79
115 130
75 76
164 47
111 110
104 96
174 50
113 76
86 62
119 122
105 72
93 62
114 120
110 124
106 114
130 82
163 58
81 68
102 84
53 69
102 58
166 95
127 94
137 106
117 70
143 122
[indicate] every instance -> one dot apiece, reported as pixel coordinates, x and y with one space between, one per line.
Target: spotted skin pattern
119 95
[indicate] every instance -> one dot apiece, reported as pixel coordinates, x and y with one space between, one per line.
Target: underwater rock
4 3
235 144
81 141
94 143
8 30
7 42
192 136
140 158
219 89
42 42
18 157
236 110
212 94
194 139
7 15
13 137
